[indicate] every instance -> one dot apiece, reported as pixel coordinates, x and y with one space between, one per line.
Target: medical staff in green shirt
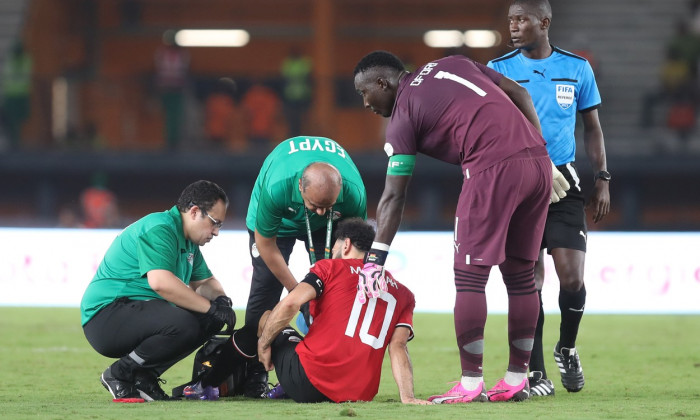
153 299
305 185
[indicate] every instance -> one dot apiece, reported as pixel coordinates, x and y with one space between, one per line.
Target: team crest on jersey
190 258
565 96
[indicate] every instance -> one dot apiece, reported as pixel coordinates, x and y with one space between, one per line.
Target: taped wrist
376 256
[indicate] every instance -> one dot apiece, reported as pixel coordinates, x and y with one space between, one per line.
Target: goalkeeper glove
371 280
559 185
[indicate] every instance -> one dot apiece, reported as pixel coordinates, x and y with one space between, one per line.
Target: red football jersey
343 351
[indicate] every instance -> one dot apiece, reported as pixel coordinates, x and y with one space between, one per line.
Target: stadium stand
104 54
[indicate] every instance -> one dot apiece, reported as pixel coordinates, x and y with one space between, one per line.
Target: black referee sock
537 355
571 305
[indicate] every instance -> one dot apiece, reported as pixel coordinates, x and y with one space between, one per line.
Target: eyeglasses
217 224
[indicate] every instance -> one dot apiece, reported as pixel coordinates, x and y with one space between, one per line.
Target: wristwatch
604 175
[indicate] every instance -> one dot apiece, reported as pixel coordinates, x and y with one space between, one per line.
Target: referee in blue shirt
560 84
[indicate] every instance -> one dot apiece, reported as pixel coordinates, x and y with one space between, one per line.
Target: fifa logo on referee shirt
565 96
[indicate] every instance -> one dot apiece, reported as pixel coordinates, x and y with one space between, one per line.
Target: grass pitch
636 366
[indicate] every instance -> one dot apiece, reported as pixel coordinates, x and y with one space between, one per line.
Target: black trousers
160 334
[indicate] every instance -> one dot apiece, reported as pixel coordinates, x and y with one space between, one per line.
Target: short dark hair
379 59
359 231
541 7
203 194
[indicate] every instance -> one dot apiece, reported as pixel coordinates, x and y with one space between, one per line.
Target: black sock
125 369
246 341
571 305
537 355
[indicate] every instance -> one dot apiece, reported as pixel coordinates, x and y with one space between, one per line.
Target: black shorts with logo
566 220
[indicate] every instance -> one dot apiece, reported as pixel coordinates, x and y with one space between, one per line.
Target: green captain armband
401 165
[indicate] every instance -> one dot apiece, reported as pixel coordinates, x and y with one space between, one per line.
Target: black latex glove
222 311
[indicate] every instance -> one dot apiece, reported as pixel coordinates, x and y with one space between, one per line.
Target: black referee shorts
566 220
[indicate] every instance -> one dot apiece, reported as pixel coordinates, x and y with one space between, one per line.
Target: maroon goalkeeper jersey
342 353
453 110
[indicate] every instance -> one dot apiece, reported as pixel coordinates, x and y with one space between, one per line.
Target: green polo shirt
276 207
154 242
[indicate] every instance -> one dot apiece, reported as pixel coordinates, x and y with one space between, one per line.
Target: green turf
636 367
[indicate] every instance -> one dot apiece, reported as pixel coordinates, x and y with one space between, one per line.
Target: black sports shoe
570 368
256 384
122 391
539 385
148 386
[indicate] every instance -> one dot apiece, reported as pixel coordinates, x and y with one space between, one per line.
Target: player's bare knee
571 283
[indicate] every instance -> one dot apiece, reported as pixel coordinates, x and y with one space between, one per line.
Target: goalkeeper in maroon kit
461 112
340 358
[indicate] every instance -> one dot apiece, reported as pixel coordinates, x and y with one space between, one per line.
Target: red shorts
502 210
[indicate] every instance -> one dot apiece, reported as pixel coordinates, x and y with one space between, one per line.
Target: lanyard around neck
329 228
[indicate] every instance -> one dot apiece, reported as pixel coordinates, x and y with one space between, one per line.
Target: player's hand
371 282
222 311
559 185
265 356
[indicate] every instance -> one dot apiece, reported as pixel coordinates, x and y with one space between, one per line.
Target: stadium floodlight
443 38
481 38
212 37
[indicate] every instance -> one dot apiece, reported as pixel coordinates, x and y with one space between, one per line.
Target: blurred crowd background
106 116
